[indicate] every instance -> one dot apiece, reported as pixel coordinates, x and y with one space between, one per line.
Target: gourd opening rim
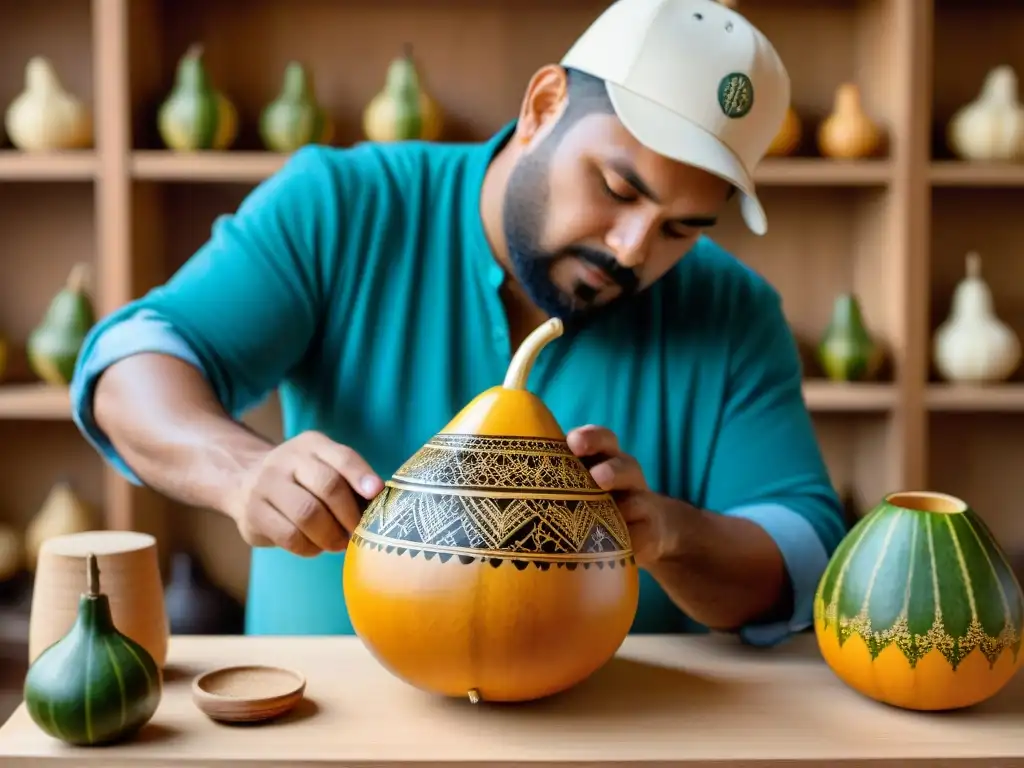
927 501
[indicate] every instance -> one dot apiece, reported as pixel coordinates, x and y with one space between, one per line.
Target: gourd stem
92 575
78 278
195 51
973 265
524 358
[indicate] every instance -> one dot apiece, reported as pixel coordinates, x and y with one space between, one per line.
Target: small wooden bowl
247 694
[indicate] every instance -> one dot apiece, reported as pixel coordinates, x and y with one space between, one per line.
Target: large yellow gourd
492 565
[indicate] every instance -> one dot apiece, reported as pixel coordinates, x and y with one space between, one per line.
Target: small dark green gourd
847 351
95 685
54 344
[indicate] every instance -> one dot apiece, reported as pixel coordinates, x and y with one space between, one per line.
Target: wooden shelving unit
894 229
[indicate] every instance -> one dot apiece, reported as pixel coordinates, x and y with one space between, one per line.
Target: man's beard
527 201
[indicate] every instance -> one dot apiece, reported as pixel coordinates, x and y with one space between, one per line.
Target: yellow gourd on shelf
196 115
788 138
44 116
990 128
63 512
848 132
403 110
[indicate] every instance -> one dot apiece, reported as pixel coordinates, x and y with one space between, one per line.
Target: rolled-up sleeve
767 465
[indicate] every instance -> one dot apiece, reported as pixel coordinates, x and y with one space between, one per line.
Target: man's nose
628 241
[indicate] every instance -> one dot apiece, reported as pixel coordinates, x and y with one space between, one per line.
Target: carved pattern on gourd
954 646
518 500
470 461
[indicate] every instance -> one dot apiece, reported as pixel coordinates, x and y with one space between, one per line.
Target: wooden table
690 701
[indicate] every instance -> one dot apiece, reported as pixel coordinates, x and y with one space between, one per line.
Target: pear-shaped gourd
295 118
196 115
973 344
54 344
403 110
788 137
847 351
45 116
848 132
62 513
990 128
95 685
492 565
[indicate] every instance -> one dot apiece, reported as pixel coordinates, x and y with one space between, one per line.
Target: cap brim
673 136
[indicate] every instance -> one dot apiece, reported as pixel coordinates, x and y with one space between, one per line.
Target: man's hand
647 514
305 495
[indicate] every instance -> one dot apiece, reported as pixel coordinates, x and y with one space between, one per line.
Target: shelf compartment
986 221
61 30
34 459
857 449
822 242
970 38
37 402
978 457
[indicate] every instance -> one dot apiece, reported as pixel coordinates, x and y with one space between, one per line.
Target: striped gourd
295 118
195 114
95 685
918 606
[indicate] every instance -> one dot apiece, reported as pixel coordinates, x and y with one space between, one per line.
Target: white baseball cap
694 81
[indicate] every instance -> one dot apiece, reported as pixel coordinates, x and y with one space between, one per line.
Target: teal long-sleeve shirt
358 283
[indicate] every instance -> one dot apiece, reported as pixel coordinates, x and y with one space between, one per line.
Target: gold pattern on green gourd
933 618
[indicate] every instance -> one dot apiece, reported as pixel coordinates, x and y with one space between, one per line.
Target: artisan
379 288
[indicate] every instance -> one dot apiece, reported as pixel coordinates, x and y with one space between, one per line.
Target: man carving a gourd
379 288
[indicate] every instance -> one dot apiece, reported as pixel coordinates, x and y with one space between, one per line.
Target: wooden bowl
247 694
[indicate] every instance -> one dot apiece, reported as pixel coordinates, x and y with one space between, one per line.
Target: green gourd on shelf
295 118
54 344
196 115
847 351
95 685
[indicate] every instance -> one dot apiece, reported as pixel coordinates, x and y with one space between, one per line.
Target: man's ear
545 100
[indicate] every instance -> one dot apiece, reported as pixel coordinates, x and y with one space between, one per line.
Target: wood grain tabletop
664 700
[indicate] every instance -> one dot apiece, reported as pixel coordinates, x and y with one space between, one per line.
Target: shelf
995 398
825 396
34 401
162 165
812 171
239 166
60 166
957 173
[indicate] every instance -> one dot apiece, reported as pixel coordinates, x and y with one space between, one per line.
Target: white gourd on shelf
44 116
973 344
990 128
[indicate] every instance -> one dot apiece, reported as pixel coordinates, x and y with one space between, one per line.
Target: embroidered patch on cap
735 94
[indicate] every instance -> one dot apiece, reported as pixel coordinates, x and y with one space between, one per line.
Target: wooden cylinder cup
129 575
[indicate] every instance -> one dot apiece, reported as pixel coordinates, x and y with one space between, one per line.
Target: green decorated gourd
295 118
95 685
54 344
918 606
196 115
847 352
403 110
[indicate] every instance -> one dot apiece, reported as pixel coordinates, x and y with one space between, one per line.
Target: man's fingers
309 514
619 473
273 525
349 463
332 489
591 440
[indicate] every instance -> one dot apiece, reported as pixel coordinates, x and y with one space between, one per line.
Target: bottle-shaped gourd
847 351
